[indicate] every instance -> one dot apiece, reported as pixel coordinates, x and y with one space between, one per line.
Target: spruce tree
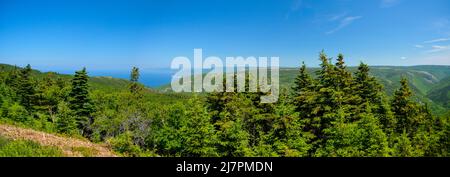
325 75
344 78
26 90
344 94
403 108
80 102
366 86
13 79
328 98
198 134
65 119
304 99
362 138
302 82
369 90
287 135
134 78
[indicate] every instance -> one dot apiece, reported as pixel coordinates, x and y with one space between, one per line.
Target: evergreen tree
26 90
47 94
344 94
363 138
369 90
403 108
305 95
343 77
325 76
287 136
198 134
233 139
80 102
403 147
65 121
366 86
17 113
303 81
13 79
134 78
216 101
327 98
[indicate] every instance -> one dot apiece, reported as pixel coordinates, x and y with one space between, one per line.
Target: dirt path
70 146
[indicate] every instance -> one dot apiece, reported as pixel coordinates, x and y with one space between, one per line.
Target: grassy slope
26 148
45 144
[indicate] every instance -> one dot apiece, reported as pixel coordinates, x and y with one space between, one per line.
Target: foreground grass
26 139
26 148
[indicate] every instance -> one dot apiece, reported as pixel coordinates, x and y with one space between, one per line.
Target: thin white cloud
389 3
437 40
418 46
403 58
343 23
296 4
438 48
337 16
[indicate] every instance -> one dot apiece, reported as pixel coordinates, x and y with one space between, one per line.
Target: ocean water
148 77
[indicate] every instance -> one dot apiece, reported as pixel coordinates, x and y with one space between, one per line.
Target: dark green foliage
80 101
198 134
65 121
370 91
404 109
135 88
26 90
16 112
348 115
302 82
363 138
286 134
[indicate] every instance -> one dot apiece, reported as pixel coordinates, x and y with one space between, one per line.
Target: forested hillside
441 93
322 112
431 84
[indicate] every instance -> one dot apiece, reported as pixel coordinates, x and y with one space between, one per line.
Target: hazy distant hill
431 84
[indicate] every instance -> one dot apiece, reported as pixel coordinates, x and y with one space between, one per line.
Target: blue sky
115 34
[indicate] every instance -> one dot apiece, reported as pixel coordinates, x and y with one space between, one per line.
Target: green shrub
17 113
124 145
